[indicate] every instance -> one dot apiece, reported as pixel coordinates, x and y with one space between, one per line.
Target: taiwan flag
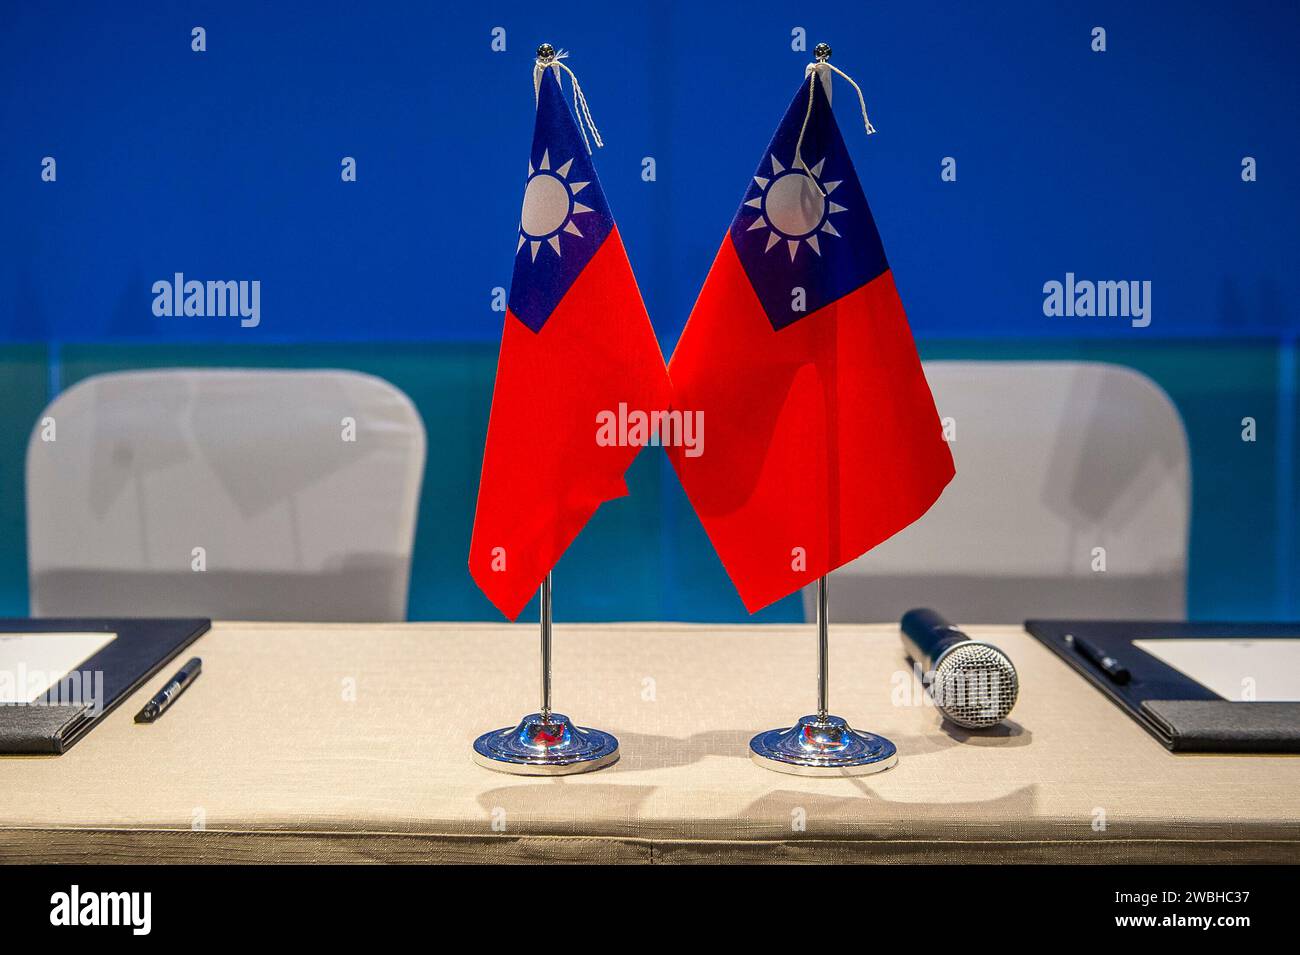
824 439
577 344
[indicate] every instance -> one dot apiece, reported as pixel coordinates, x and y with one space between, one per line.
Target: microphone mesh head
975 685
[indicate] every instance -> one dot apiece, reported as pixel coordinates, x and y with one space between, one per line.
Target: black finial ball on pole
822 51
546 51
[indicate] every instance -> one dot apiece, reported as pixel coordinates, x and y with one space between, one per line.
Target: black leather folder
1186 716
74 706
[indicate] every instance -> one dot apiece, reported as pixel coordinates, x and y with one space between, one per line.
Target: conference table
322 743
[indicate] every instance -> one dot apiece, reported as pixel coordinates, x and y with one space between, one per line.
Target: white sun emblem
792 207
549 206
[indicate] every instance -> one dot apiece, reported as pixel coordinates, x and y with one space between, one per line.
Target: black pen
167 695
1104 661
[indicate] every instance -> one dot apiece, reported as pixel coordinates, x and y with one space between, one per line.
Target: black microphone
973 683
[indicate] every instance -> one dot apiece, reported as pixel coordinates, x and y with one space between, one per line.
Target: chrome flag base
822 746
545 743
545 746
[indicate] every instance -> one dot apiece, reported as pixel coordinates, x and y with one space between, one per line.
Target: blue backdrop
227 163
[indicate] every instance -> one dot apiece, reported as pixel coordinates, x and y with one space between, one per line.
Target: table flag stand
545 743
570 266
822 744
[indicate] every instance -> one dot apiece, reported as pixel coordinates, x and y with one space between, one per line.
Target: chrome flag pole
546 647
823 647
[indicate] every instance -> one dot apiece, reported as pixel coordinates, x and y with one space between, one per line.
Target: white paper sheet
1266 671
30 663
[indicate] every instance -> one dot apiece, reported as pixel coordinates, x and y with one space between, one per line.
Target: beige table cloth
351 743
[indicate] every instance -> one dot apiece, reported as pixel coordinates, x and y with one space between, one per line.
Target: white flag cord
811 70
579 98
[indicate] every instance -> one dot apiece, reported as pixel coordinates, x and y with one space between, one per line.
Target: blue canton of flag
565 216
788 235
